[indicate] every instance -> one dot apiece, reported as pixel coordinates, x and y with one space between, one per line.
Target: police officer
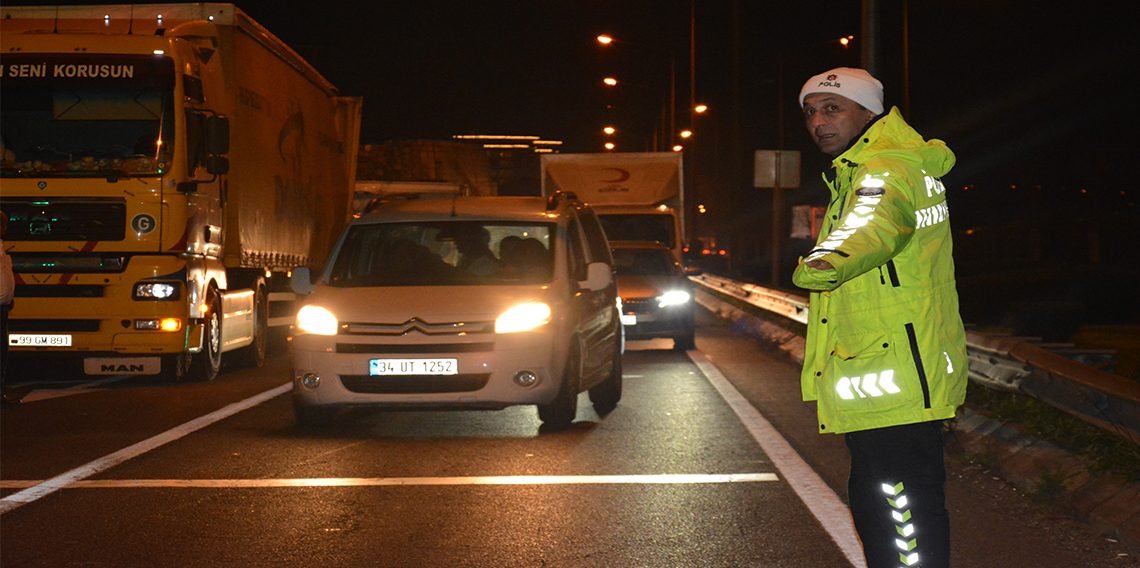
886 349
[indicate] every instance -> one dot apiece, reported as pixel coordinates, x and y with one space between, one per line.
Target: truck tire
607 394
560 412
205 364
253 355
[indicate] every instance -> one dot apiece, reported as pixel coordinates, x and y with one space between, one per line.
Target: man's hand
819 264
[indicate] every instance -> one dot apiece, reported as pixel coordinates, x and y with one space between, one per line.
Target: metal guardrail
1004 363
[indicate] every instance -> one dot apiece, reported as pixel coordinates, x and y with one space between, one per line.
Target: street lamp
605 39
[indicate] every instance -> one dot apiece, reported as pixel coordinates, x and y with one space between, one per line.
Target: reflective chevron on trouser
901 513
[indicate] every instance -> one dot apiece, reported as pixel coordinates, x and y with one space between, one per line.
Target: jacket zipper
918 364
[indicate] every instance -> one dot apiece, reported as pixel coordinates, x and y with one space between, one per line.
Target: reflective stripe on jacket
885 341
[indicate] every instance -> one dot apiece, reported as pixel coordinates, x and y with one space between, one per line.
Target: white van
462 303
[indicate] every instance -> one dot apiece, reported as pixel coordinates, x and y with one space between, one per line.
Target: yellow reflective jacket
885 342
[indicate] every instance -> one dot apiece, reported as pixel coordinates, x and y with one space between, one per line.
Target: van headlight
317 320
523 318
673 298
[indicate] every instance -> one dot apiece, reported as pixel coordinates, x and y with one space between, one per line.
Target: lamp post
778 192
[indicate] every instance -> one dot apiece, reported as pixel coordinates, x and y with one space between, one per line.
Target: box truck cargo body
163 165
637 195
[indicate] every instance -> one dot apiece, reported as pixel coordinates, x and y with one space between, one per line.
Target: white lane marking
47 394
406 481
823 503
110 460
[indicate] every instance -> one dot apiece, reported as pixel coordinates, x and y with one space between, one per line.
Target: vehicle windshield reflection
452 253
644 262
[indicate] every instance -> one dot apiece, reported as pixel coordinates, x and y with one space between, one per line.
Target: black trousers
4 309
897 495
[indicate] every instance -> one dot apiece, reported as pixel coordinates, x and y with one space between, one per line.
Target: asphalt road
680 475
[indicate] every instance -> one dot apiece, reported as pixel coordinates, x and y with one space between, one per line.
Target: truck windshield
452 253
86 115
639 227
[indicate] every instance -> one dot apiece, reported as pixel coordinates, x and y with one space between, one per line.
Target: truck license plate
628 320
38 340
413 367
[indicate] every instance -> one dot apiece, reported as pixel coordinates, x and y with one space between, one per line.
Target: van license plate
413 367
628 320
38 340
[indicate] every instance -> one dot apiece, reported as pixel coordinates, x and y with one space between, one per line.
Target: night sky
1036 101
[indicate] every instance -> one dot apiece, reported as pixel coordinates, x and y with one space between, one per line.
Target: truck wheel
253 355
606 395
205 364
560 413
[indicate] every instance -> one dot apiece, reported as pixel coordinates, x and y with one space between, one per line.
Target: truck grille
65 219
59 291
52 326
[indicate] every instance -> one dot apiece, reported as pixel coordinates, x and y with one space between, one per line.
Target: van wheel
205 364
606 395
253 355
560 413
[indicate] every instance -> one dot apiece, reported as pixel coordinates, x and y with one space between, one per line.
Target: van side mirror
301 280
217 135
598 276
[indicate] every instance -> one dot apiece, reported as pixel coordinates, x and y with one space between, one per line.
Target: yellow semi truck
162 167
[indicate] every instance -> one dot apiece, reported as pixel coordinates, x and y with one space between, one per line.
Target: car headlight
317 320
673 298
523 318
156 291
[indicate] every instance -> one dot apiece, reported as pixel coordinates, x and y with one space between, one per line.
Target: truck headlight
317 320
156 291
673 298
523 318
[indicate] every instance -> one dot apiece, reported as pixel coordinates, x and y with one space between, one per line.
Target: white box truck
637 195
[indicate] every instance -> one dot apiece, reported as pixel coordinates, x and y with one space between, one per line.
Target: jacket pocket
866 372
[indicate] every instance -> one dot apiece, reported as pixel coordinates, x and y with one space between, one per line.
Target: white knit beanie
855 84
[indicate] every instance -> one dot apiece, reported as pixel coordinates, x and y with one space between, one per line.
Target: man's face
833 120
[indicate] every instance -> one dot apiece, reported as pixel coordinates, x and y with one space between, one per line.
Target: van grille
413 384
425 348
418 325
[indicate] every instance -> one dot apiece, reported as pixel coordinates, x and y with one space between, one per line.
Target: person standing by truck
7 291
886 349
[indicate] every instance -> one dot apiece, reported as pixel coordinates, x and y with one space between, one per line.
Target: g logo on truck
143 223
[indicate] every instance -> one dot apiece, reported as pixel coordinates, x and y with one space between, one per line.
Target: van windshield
445 253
